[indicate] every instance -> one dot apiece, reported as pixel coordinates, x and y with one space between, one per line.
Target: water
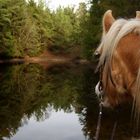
55 102
59 125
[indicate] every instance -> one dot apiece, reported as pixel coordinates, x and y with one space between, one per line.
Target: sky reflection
59 126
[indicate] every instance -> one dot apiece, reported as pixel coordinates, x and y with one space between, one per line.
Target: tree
83 17
6 38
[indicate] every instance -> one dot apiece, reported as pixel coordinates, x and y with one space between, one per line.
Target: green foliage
24 29
84 34
6 38
28 28
65 28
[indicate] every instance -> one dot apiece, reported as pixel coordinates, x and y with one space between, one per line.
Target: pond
55 102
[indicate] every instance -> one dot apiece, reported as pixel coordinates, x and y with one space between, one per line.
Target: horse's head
116 64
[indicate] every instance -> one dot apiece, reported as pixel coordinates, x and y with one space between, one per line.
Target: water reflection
31 95
58 126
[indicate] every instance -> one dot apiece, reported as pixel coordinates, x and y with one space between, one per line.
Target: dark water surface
55 102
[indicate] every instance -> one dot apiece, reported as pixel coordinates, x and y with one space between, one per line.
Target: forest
28 28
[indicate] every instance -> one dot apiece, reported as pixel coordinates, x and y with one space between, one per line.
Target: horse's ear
108 20
138 14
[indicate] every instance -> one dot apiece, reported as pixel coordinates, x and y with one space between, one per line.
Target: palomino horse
119 62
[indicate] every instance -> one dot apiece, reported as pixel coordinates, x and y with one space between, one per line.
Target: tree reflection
29 90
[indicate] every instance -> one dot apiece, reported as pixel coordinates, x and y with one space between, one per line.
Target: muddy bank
50 62
41 59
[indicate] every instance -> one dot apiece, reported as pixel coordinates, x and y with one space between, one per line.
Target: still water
56 102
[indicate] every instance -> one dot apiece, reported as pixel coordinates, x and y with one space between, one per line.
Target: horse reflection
119 62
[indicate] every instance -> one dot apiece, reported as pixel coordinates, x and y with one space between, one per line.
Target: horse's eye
96 54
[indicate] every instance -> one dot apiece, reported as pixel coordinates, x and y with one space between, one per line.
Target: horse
119 61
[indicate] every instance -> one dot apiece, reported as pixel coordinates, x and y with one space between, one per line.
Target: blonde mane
118 30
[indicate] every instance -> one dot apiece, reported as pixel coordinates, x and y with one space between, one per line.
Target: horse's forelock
108 39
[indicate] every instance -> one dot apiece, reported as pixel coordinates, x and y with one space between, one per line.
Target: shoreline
47 63
43 60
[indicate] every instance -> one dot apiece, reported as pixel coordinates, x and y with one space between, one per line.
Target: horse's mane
118 30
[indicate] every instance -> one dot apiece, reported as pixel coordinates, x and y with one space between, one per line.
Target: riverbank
47 57
41 60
